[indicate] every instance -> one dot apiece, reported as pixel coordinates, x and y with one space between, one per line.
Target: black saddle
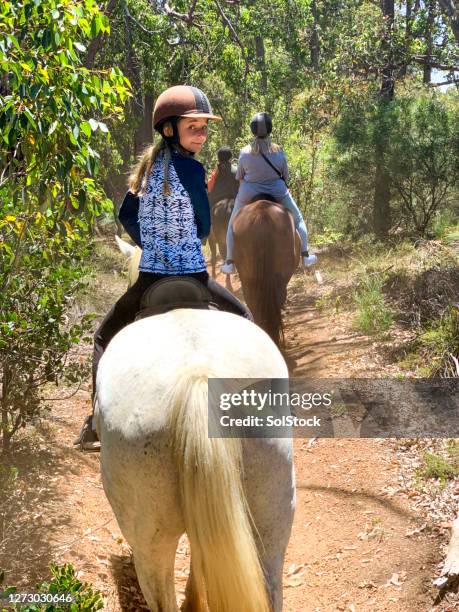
175 292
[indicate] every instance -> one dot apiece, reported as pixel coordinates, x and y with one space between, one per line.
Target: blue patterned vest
168 226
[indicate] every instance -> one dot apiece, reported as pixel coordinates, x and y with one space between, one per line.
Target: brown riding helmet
182 101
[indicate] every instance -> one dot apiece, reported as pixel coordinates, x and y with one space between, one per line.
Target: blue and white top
168 228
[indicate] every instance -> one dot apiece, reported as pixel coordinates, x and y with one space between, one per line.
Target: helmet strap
170 134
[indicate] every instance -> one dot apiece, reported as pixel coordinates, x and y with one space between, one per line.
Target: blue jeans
290 204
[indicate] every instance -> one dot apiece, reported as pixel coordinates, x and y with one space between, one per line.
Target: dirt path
351 547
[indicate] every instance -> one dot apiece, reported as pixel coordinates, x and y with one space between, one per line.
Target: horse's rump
266 256
162 473
222 210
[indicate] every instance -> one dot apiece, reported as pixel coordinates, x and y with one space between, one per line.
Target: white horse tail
226 569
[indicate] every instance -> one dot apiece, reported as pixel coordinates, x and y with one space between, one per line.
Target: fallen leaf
411 532
293 582
294 569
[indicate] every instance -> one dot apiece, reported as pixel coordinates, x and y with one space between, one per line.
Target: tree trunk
451 8
427 77
96 43
4 430
260 50
133 73
144 133
408 33
381 196
314 43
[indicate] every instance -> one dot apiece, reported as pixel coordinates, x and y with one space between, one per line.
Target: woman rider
262 168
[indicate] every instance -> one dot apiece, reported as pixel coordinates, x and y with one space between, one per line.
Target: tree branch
96 43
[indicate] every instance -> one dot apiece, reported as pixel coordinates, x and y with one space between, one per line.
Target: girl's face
192 133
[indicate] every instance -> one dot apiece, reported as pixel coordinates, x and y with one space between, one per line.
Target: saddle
175 292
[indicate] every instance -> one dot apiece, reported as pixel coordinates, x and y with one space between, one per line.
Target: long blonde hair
263 145
138 179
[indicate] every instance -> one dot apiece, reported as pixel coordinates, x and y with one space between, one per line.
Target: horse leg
140 481
154 564
192 603
222 249
213 254
228 283
271 498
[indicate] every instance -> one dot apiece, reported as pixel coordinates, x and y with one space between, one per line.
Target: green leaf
94 124
86 128
103 127
53 127
79 46
30 117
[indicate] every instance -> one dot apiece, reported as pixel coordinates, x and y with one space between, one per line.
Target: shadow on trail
29 523
129 593
354 496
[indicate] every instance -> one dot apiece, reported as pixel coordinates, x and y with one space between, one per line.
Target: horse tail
265 285
268 286
226 570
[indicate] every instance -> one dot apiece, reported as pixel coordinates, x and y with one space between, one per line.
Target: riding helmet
261 125
224 154
181 101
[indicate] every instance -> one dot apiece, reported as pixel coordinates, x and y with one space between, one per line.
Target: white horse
133 255
164 476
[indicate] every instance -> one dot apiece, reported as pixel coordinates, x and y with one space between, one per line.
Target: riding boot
87 439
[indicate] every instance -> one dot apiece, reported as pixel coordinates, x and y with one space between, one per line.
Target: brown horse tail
265 286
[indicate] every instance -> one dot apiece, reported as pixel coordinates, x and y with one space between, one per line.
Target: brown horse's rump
266 253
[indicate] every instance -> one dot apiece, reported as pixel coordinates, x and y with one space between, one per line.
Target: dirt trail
350 548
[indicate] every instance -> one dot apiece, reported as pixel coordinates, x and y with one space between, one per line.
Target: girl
262 168
166 213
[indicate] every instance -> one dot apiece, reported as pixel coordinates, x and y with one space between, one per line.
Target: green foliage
443 225
436 347
64 581
373 316
440 343
51 108
436 466
421 138
327 237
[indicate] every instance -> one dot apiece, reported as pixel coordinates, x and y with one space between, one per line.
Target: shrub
63 582
436 466
48 195
439 344
373 316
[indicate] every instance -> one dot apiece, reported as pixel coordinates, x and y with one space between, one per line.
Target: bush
373 316
440 343
48 196
64 582
437 467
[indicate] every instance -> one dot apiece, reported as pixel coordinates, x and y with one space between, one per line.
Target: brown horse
266 253
220 215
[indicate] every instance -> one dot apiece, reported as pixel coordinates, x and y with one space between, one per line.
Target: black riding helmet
261 125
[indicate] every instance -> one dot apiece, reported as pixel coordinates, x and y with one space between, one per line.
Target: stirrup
227 268
309 260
